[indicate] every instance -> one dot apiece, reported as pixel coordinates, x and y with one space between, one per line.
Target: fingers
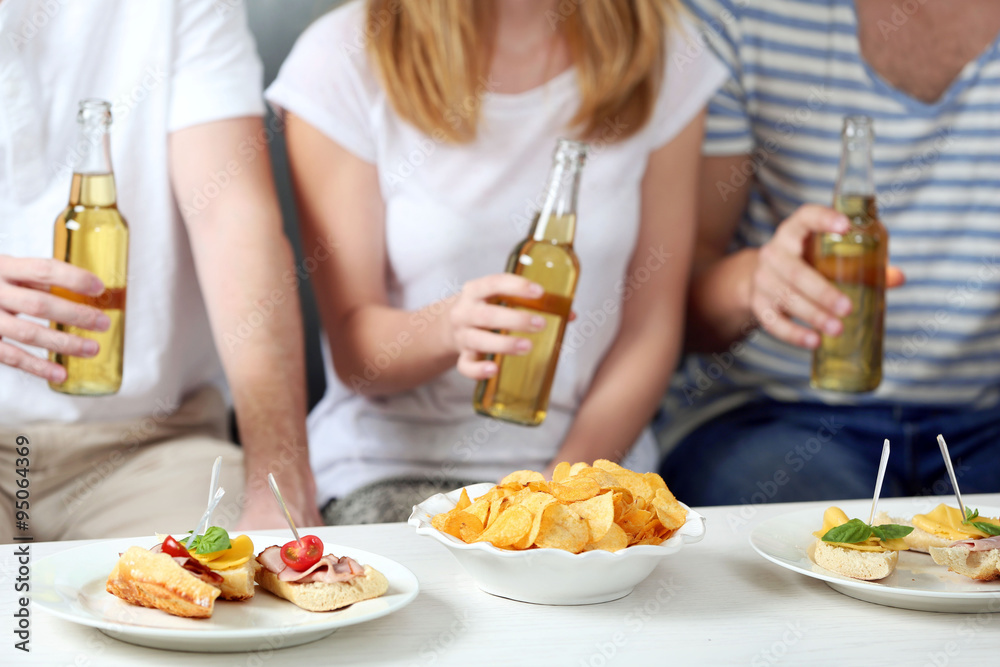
30 333
894 277
807 219
781 273
475 322
49 307
779 325
15 357
503 284
471 366
481 341
488 316
45 273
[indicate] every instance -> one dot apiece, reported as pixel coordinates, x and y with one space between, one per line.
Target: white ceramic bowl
551 576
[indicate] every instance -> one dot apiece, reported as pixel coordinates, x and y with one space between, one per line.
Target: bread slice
979 565
326 597
237 582
918 539
156 580
866 565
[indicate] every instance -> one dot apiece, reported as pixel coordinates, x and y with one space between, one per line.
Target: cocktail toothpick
951 474
214 484
284 508
878 480
203 524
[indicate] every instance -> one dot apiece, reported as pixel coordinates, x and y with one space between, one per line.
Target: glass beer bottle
90 233
855 262
519 392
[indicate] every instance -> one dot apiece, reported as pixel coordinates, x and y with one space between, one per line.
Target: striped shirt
796 71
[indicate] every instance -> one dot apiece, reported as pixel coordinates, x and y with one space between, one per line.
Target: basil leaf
987 528
891 531
970 515
214 539
852 532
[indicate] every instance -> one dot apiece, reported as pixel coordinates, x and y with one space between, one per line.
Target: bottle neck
93 178
856 177
556 222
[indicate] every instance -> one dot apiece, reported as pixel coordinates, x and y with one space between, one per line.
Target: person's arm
343 220
244 262
634 374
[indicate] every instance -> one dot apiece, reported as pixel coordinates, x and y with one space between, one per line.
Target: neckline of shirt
966 76
525 102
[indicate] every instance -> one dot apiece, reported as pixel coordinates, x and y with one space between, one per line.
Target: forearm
245 267
382 350
623 397
718 310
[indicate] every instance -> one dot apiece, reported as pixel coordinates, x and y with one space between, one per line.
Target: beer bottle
90 233
519 392
855 262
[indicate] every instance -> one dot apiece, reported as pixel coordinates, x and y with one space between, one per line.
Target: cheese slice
834 516
946 522
239 552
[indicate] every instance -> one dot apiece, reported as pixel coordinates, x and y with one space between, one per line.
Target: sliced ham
986 544
270 558
328 570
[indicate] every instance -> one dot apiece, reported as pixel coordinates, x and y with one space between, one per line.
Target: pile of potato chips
603 506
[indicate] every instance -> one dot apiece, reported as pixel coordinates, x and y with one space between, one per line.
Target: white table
715 603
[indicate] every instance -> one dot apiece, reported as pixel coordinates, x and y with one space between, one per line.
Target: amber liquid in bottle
519 392
855 262
90 233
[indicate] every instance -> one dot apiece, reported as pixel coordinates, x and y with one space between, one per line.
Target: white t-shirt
165 65
453 213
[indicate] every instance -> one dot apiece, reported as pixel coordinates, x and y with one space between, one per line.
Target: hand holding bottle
784 285
24 290
474 320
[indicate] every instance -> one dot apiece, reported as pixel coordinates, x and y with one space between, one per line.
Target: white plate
70 585
917 583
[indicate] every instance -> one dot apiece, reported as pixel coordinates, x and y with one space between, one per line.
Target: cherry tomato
174 548
300 556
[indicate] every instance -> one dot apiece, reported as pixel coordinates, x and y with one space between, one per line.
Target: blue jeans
784 452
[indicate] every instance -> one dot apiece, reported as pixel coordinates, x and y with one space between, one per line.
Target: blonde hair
433 55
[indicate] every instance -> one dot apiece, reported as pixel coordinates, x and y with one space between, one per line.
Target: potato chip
598 512
466 527
614 540
576 468
543 487
522 477
562 528
480 508
602 477
655 481
561 471
574 489
633 521
534 503
509 527
463 501
670 512
495 508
